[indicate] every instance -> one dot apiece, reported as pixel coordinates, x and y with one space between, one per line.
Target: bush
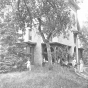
14 58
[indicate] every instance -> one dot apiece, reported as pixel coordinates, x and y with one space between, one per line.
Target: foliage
52 17
53 14
10 53
84 40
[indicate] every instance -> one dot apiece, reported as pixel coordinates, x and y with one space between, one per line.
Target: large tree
10 51
53 17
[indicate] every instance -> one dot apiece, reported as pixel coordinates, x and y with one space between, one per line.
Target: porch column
55 56
77 60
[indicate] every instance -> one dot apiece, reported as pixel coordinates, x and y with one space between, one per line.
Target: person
81 65
74 62
28 65
58 61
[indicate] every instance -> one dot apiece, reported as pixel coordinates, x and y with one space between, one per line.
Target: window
73 20
75 38
30 37
30 34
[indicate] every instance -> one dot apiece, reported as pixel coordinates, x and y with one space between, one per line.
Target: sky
83 12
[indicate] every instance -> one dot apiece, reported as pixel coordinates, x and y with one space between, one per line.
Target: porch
28 50
58 51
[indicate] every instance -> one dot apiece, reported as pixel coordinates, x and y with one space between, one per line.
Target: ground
39 77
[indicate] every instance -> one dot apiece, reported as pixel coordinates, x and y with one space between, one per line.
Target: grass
40 77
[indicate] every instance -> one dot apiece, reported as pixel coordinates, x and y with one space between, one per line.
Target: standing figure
74 62
81 65
28 65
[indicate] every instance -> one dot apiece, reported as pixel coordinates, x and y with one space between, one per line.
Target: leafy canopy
52 15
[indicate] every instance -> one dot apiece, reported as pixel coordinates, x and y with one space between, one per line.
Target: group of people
79 66
76 66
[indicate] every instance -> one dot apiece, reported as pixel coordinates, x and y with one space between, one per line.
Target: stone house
37 48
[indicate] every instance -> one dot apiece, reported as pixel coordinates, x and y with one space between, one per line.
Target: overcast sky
83 12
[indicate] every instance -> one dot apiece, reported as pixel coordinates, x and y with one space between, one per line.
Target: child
74 62
28 65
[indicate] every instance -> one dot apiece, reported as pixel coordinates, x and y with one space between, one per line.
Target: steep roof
74 4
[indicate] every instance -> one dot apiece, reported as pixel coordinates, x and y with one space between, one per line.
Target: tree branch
49 36
18 3
29 13
39 28
51 33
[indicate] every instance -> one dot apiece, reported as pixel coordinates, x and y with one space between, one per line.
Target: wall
38 40
38 48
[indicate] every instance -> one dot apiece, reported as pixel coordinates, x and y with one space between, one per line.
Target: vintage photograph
43 44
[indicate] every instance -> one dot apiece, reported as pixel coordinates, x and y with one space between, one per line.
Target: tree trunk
46 41
49 54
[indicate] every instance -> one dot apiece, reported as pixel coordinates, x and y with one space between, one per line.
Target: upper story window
30 34
75 36
73 19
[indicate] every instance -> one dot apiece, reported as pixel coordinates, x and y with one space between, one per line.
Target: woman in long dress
81 66
74 64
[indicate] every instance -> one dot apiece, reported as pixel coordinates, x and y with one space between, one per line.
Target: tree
53 17
83 36
9 36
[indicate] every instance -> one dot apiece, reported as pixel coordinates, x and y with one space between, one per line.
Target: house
37 48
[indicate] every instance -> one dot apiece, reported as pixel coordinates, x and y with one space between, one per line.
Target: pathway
83 74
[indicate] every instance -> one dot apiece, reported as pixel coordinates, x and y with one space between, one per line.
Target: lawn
58 77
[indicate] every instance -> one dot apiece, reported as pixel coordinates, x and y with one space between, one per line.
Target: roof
81 48
75 31
30 43
72 2
27 43
56 43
